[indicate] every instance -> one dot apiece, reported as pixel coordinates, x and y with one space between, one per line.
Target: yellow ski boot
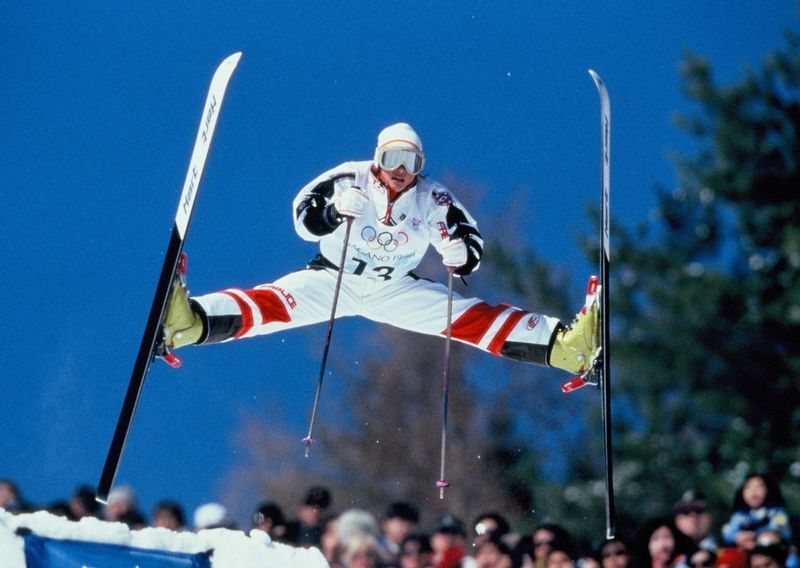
576 346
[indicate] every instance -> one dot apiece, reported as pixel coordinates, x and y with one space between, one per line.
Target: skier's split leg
507 331
298 299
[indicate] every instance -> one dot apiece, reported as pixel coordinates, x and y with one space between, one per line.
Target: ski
173 262
600 372
604 367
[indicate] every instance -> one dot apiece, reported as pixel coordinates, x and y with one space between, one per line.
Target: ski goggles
392 158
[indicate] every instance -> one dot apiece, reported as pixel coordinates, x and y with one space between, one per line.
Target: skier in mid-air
396 213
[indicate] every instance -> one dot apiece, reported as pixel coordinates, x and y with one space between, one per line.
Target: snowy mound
230 548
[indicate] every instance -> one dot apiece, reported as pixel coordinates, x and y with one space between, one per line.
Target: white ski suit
386 243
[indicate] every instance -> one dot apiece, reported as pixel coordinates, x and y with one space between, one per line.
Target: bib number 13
383 272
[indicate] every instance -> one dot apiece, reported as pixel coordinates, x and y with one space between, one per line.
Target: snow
231 548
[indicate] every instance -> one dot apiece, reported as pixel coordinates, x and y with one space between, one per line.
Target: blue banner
43 552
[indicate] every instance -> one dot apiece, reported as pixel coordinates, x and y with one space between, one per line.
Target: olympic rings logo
383 240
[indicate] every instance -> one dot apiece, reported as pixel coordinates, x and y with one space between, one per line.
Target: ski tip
228 65
101 498
233 58
601 88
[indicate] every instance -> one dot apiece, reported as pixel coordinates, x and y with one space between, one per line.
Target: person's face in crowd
116 509
411 557
615 555
489 556
483 530
754 492
661 545
694 521
77 508
396 529
164 518
559 559
542 541
7 495
588 562
763 561
363 558
310 515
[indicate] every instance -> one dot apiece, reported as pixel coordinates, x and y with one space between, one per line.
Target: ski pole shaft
309 439
442 484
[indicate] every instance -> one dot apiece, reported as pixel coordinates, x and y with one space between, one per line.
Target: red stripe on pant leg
270 305
247 314
500 337
472 325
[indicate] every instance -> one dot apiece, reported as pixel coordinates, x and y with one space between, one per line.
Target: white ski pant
408 302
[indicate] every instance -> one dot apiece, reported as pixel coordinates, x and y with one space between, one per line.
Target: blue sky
100 108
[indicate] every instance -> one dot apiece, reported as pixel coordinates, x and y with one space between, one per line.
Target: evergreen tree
707 300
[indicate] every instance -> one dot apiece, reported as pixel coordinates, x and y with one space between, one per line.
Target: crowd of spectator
757 532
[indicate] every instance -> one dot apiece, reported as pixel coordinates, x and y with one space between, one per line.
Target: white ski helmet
399 145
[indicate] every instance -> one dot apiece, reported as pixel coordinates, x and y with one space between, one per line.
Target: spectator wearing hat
693 519
122 507
168 514
402 519
488 524
212 516
269 518
357 532
449 543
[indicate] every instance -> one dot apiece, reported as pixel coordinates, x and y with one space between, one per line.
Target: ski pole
308 440
441 484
